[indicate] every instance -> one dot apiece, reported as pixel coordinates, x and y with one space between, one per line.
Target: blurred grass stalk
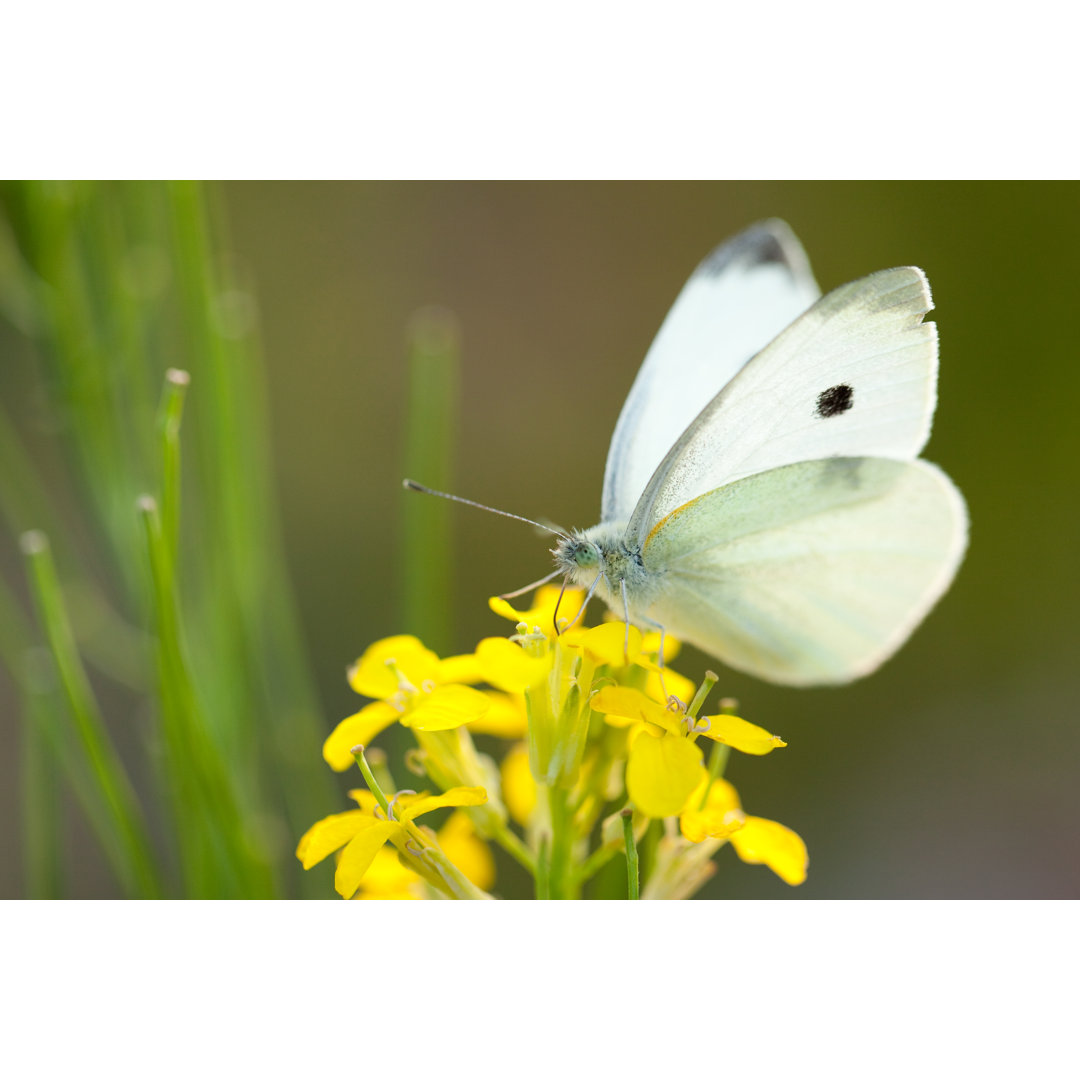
434 343
203 596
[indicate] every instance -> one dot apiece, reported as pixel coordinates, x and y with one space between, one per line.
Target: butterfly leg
626 616
660 660
585 602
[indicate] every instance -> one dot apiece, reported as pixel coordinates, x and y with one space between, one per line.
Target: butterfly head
575 552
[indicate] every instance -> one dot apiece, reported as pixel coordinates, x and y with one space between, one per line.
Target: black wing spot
756 246
835 400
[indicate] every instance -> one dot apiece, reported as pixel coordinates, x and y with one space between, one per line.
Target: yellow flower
388 878
665 764
541 616
413 687
464 848
362 834
558 673
755 840
781 849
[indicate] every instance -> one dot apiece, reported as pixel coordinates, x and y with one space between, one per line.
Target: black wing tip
765 243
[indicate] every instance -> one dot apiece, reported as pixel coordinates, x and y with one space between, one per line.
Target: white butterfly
762 498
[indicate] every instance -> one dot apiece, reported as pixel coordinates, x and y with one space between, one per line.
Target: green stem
453 882
718 757
137 868
633 883
561 883
543 868
514 846
707 684
170 413
219 858
591 866
369 778
41 791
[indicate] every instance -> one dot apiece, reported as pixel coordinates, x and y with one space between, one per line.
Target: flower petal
371 676
542 613
650 643
358 729
775 845
466 850
447 707
664 683
518 785
458 796
388 879
718 818
622 704
507 666
662 773
459 669
506 718
329 834
365 798
359 853
742 735
608 643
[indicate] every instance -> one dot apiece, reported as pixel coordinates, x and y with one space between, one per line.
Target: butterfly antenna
412 485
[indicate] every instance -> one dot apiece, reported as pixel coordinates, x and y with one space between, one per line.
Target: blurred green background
950 773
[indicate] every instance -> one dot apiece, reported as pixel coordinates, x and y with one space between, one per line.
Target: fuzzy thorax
601 550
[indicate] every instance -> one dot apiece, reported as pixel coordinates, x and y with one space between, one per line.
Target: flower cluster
597 750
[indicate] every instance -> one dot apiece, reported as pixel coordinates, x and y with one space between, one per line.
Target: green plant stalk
56 219
595 862
633 881
137 867
32 668
543 868
42 834
107 641
369 779
225 862
169 416
39 774
563 885
427 549
718 756
247 623
514 846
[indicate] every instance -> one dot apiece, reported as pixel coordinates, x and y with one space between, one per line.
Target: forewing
811 573
856 375
740 297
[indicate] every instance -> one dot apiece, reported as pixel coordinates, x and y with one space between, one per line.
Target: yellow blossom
388 878
775 845
362 834
755 840
541 616
662 773
415 688
592 718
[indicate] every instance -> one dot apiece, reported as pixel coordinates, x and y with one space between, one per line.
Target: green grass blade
219 854
137 868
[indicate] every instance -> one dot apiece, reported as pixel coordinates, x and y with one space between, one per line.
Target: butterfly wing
856 375
810 573
740 297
